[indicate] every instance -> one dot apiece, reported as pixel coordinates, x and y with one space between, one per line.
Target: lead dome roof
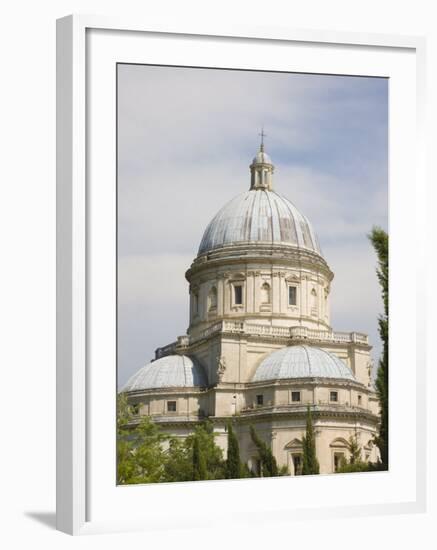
262 158
172 371
259 216
301 362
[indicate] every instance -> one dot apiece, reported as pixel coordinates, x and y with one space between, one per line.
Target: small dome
172 371
259 216
261 158
302 362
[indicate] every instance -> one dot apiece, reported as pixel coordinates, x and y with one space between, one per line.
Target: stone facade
253 293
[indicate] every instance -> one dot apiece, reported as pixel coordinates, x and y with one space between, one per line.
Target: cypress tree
269 466
199 462
355 450
379 240
310 464
233 463
195 457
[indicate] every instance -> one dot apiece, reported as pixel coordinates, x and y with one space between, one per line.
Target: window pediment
340 442
294 444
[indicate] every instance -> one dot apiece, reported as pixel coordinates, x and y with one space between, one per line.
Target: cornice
285 340
311 382
247 418
246 386
192 390
317 411
243 418
260 254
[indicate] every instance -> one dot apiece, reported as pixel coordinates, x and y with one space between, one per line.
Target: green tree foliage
348 468
199 462
354 449
233 463
310 464
355 464
246 471
195 457
269 466
213 454
178 464
140 454
146 455
379 240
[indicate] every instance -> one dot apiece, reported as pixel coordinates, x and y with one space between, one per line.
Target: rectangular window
297 464
292 295
171 406
333 396
135 408
260 399
338 461
238 294
295 396
359 400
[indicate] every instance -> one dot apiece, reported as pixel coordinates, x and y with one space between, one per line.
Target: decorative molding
237 277
339 442
294 444
221 367
262 253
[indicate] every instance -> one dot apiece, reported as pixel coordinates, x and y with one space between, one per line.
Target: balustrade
242 327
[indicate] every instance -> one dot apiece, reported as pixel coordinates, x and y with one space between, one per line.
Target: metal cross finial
263 135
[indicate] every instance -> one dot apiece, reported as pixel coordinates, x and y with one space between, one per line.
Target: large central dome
259 216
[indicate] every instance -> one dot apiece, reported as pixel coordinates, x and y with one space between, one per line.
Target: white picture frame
76 210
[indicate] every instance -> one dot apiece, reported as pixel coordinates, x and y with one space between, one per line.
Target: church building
260 346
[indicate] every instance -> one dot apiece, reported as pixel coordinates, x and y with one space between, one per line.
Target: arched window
265 293
212 299
314 302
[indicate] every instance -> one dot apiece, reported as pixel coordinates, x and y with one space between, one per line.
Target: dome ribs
171 371
259 215
302 361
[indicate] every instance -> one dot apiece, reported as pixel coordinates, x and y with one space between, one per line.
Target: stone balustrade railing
304 333
303 406
296 334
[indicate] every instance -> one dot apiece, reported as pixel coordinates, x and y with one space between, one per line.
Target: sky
186 137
